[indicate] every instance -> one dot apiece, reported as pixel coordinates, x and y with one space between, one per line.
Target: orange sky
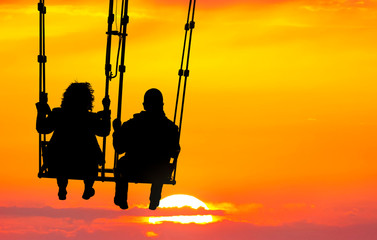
280 123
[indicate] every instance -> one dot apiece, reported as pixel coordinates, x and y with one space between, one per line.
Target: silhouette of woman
73 151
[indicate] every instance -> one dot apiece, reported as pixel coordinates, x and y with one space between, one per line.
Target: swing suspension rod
122 68
42 73
122 48
108 72
189 26
122 34
180 72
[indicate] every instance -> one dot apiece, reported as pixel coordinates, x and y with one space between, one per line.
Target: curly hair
78 96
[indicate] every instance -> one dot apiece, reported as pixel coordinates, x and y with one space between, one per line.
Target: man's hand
116 124
101 162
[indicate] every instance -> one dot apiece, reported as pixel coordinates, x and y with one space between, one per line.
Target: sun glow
199 219
179 201
182 200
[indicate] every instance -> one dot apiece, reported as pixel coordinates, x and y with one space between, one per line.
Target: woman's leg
62 183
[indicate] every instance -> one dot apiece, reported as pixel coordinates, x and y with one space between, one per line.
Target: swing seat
49 168
131 178
45 174
132 173
139 172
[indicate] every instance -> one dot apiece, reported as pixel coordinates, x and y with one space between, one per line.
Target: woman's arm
44 123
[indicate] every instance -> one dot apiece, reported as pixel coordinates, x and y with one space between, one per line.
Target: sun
182 200
179 201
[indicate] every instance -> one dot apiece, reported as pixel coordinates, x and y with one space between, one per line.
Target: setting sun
180 201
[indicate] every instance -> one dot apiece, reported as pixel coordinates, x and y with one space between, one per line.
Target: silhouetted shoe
153 205
122 204
62 194
88 193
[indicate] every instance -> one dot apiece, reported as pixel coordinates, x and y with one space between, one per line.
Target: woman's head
78 96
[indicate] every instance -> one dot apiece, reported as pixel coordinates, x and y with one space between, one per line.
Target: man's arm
102 124
118 136
176 148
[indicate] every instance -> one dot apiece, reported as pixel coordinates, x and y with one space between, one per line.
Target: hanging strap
189 26
42 73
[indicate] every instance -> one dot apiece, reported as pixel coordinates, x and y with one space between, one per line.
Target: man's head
153 100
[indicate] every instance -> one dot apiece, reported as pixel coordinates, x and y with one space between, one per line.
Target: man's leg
121 192
155 196
89 190
62 183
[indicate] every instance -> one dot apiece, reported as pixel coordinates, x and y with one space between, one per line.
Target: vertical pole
180 72
186 73
44 60
122 67
189 26
108 72
40 84
42 73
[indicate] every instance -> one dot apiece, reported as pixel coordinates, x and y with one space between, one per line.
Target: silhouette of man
149 140
73 150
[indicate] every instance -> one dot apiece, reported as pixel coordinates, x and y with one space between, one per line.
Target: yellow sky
281 96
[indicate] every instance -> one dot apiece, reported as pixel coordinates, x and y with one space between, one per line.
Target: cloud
151 234
86 214
225 230
53 223
238 222
91 214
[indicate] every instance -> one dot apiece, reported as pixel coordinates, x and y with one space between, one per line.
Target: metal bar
44 58
108 73
44 48
122 67
42 71
180 73
40 88
186 74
